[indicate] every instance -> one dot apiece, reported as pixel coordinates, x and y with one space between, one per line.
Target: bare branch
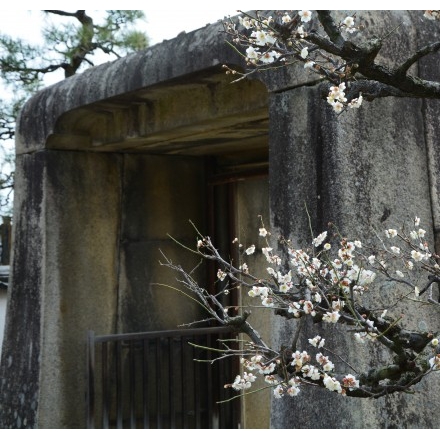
330 28
430 48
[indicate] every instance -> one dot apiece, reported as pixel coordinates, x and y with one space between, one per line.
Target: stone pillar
64 283
361 170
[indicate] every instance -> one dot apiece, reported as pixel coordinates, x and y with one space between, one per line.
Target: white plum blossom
300 31
266 369
287 278
244 267
286 18
278 392
338 305
274 259
284 288
299 359
348 21
434 362
221 275
252 54
243 383
267 21
356 102
325 363
270 379
391 233
306 16
263 38
350 382
432 15
250 250
269 57
362 277
336 97
332 384
252 293
311 371
262 232
395 250
349 25
294 308
308 308
416 255
332 317
328 366
414 235
315 281
268 302
270 271
319 239
338 106
293 390
246 22
262 292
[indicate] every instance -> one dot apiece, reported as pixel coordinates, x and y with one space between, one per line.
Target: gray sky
160 23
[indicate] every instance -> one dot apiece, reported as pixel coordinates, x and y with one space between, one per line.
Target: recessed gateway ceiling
200 116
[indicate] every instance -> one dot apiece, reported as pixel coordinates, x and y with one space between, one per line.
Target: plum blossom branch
351 68
326 286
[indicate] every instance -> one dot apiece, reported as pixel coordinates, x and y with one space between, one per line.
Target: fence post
90 379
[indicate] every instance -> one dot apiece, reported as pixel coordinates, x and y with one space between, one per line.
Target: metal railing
150 380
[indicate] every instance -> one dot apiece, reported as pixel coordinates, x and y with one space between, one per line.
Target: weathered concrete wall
160 195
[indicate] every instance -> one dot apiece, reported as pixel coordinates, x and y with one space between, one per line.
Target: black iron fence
150 380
